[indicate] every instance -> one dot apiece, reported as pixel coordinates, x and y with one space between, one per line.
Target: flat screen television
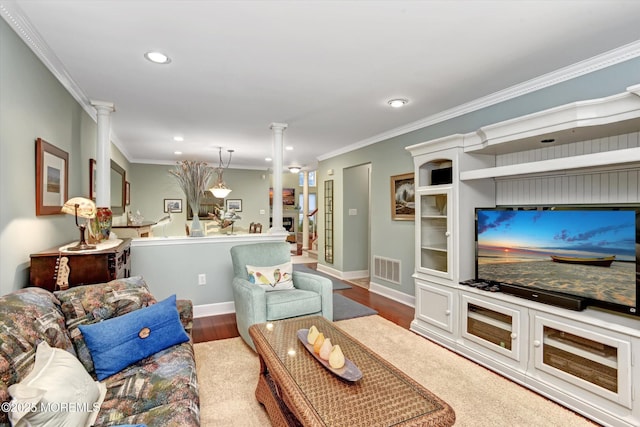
589 252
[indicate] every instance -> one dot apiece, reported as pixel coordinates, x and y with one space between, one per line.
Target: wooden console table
86 267
133 230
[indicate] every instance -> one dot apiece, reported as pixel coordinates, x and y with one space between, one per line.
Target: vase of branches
193 178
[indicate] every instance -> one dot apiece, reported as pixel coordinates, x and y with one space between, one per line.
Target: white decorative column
276 209
305 211
103 154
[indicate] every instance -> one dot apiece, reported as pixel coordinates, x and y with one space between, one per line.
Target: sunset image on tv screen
590 253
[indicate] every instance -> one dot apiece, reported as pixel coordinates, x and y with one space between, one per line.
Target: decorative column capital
104 106
278 126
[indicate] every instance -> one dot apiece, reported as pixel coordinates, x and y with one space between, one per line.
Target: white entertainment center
589 360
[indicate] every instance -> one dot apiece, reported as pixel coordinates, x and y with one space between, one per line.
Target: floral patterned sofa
159 390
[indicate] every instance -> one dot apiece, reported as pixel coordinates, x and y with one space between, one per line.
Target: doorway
357 224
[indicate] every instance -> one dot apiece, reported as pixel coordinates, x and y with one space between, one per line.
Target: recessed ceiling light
268 159
288 148
177 153
157 57
398 102
178 138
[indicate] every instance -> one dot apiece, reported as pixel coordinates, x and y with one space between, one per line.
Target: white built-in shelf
607 158
437 248
443 253
578 121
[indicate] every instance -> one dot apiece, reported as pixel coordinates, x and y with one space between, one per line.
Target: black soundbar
569 302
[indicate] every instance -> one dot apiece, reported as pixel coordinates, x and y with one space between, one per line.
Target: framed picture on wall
175 205
233 204
403 205
92 179
52 178
288 196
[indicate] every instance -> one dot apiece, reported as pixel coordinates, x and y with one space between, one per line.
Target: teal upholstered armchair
311 294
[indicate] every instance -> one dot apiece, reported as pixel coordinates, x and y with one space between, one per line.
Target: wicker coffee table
296 390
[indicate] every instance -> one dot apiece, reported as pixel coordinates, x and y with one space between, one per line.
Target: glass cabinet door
595 360
435 233
500 327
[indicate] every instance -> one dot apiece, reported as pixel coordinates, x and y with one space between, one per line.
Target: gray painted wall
172 265
151 184
33 104
389 239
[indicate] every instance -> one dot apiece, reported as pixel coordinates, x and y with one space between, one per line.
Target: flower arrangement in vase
193 178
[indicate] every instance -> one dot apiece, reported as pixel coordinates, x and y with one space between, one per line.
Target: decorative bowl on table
349 371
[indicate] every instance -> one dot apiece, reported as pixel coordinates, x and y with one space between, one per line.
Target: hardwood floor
224 326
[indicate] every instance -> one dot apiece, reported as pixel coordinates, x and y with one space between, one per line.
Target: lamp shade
86 207
220 192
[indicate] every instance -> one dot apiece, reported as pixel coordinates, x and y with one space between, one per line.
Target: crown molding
176 161
15 17
607 59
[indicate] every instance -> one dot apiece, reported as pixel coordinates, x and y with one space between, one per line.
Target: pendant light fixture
220 189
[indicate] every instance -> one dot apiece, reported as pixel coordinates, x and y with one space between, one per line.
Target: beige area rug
228 373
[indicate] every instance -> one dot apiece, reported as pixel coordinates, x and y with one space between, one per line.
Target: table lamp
84 208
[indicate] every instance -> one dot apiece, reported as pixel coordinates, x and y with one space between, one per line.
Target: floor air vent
386 269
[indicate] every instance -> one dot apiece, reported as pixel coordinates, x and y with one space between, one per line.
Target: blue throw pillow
121 341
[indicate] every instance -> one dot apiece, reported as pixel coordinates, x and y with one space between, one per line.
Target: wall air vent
387 269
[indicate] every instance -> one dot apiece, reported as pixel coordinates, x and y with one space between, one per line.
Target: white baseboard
206 310
330 271
393 294
357 274
344 275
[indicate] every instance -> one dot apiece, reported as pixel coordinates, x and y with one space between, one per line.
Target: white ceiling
326 68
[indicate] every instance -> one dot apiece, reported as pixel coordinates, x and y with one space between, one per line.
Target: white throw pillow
57 392
272 278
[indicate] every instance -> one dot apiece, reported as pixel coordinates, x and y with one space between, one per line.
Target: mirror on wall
328 221
118 180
